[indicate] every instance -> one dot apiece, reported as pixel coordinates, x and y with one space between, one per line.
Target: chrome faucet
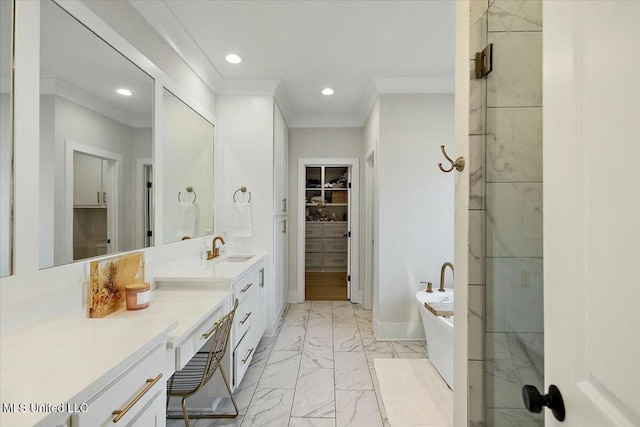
215 252
444 266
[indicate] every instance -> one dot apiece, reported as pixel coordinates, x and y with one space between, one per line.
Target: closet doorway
327 229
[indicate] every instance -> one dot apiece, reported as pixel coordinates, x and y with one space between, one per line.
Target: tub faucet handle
429 287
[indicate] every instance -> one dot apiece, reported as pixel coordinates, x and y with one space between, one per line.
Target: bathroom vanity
90 372
245 277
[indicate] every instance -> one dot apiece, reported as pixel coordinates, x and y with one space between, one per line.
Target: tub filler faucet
444 267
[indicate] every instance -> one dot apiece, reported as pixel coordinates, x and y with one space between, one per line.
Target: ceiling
296 48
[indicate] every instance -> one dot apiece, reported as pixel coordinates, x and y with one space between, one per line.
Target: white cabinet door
280 255
261 306
280 163
87 180
154 414
591 228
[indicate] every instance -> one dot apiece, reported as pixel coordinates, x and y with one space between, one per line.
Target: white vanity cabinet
136 394
249 322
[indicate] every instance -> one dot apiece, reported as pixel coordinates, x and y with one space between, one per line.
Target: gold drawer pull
248 355
246 317
122 412
246 288
212 330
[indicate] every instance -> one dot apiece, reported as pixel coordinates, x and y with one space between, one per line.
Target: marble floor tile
317 353
413 355
269 408
203 422
338 304
376 388
300 306
346 339
371 355
364 322
290 338
320 327
243 393
281 370
314 394
375 346
312 422
296 318
343 311
352 371
357 409
409 346
366 332
323 311
263 350
345 322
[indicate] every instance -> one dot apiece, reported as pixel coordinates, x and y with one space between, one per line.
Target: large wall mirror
6 137
96 115
188 171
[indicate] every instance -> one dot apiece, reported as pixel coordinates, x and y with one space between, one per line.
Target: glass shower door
511 136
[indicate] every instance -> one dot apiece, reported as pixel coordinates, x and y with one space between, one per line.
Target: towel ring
189 190
244 190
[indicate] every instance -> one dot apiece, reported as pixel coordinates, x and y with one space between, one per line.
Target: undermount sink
237 258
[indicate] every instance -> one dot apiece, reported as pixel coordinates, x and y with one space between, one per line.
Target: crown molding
159 16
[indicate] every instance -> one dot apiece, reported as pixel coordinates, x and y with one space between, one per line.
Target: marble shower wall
505 231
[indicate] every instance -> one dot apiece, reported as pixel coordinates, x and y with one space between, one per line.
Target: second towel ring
189 190
244 190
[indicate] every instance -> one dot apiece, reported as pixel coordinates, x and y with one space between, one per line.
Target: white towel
242 220
186 225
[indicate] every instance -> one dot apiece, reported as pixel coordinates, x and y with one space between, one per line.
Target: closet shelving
327 216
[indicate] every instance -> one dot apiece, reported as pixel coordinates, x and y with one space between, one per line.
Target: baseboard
295 296
398 331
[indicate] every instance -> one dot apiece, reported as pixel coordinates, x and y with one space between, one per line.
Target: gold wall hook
458 164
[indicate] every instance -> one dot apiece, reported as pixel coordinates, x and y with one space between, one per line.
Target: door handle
534 401
98 194
284 226
284 205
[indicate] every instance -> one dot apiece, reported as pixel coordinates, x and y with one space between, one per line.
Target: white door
592 210
348 236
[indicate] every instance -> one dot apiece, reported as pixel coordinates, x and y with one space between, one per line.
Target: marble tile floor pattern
318 371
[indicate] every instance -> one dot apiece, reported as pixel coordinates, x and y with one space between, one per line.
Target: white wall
319 143
415 206
245 135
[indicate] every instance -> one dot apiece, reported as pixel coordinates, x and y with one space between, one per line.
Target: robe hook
458 164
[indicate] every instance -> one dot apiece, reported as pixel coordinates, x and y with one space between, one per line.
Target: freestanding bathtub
438 331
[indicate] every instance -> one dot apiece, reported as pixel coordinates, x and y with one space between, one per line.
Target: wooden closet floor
326 286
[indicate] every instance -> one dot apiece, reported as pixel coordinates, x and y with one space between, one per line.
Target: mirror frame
10 253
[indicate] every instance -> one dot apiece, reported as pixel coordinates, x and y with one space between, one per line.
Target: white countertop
69 361
188 307
214 272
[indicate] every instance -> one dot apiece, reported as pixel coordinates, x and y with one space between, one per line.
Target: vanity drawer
335 260
194 342
144 380
335 229
313 230
313 260
313 245
334 245
245 286
243 317
242 356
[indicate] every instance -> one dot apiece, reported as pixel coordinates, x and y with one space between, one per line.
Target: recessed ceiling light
124 92
327 91
233 58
